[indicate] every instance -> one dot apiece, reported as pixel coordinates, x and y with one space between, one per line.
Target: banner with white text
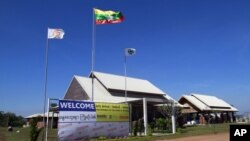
79 120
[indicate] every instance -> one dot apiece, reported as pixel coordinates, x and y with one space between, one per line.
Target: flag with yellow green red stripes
107 17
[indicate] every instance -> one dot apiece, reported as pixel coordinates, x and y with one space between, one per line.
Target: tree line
11 119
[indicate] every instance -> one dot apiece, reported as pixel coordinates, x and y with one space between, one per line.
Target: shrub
160 123
149 131
140 126
135 128
34 132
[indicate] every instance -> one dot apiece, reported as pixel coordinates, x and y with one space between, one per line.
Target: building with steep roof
142 95
196 105
111 88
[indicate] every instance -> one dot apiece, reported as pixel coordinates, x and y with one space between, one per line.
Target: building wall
76 92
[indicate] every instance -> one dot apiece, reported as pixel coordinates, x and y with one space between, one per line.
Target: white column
173 118
145 116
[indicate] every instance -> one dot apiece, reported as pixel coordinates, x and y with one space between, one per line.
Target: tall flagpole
51 34
125 74
46 78
127 52
47 123
93 54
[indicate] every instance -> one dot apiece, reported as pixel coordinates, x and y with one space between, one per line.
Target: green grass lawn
188 131
23 135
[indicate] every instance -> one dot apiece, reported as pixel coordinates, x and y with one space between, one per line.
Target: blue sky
182 47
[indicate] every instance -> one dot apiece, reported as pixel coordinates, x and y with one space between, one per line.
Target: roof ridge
200 100
119 75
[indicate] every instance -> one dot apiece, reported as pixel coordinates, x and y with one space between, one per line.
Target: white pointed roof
196 102
211 101
100 93
117 82
208 103
110 88
51 114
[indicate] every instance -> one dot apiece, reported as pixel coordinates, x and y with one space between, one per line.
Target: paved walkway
212 137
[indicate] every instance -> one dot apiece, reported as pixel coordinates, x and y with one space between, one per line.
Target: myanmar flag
107 17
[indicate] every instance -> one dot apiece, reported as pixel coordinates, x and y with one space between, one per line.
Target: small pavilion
206 109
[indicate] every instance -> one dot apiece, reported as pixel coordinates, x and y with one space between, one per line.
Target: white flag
129 51
55 33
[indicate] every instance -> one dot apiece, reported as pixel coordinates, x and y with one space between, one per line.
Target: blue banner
68 105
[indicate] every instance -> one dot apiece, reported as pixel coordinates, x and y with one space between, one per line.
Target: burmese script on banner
84 119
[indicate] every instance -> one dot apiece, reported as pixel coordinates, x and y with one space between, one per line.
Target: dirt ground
213 137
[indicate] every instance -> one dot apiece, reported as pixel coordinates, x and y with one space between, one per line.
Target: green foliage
180 130
160 123
135 128
167 111
34 132
3 119
163 124
168 125
102 138
11 119
140 126
53 105
149 130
